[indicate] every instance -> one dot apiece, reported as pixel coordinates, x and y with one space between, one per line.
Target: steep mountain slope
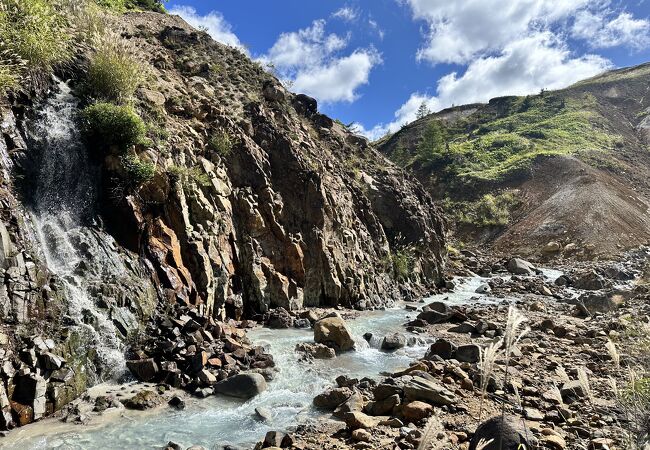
567 167
243 198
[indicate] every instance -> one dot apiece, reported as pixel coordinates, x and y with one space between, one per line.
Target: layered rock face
258 202
295 212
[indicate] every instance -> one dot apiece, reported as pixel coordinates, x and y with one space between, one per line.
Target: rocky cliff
256 201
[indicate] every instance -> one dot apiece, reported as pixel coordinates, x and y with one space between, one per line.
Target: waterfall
63 209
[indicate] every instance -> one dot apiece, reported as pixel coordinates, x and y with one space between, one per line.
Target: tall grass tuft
114 74
36 36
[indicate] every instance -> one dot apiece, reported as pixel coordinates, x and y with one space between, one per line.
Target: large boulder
393 341
143 369
333 332
505 433
243 385
144 400
428 390
591 281
332 398
520 266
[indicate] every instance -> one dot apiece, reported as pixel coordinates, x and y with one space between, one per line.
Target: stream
218 421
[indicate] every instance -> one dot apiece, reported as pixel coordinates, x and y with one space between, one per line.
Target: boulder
145 399
416 410
590 281
316 351
506 433
442 348
279 318
428 390
143 369
243 385
603 303
470 353
332 398
520 266
333 332
483 289
356 420
393 341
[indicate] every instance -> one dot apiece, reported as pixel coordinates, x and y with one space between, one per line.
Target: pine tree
433 146
423 111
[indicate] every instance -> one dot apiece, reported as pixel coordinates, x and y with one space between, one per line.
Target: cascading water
63 210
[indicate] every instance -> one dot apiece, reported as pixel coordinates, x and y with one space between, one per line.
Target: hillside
567 166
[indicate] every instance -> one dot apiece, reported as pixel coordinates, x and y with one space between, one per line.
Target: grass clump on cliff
124 5
221 142
137 170
113 72
107 125
35 37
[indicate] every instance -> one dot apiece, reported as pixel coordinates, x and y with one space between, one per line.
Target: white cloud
347 14
524 66
338 80
309 60
458 31
213 22
601 31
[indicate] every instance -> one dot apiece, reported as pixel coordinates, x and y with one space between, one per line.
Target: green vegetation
221 142
186 175
489 210
107 125
505 137
137 171
124 5
400 263
113 72
35 36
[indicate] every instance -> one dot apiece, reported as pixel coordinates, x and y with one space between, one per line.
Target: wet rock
332 398
520 266
51 361
506 433
442 348
264 414
177 402
591 281
333 332
143 369
428 390
144 399
393 341
483 289
245 385
317 351
279 318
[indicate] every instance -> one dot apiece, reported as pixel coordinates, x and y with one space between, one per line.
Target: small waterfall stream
63 211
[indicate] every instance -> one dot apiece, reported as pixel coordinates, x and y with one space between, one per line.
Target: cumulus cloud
457 32
213 22
310 61
524 66
601 31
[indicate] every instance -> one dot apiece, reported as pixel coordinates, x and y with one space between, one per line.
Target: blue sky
374 62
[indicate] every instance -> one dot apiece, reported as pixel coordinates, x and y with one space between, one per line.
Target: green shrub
113 72
222 143
400 263
38 34
107 125
187 175
137 171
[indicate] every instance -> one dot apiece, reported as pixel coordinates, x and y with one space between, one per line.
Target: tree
433 146
423 111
